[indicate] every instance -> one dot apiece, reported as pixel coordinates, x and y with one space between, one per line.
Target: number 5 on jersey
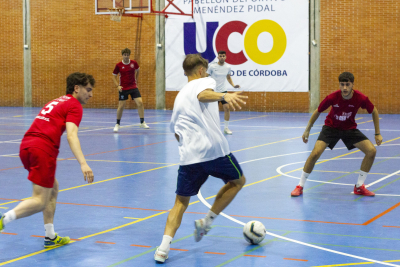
50 108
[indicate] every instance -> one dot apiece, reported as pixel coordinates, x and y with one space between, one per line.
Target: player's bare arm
74 144
375 118
233 99
310 124
136 75
229 78
115 80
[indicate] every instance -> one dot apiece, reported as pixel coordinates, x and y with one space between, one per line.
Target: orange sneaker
363 191
297 191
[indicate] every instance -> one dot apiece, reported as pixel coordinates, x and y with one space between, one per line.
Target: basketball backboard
131 6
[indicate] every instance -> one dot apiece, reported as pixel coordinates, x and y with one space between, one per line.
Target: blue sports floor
119 220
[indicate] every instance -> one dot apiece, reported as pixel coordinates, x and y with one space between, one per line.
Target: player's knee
139 104
371 152
314 156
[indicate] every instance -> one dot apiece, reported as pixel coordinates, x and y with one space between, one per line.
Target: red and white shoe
297 191
363 191
160 256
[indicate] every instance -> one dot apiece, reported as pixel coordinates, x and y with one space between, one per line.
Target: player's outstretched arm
229 78
233 99
375 118
310 124
75 145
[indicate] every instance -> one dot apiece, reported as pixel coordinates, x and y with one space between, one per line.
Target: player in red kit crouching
39 150
340 124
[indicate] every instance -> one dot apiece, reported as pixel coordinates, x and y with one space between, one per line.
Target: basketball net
117 13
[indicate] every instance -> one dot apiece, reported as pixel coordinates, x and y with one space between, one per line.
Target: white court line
383 178
9 155
11 141
278 170
295 241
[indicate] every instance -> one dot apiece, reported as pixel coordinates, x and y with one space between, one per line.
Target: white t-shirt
219 73
198 124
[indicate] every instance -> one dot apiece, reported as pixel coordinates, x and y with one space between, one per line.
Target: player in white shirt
203 150
220 71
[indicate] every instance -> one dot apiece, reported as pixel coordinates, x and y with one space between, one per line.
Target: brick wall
362 37
11 55
356 35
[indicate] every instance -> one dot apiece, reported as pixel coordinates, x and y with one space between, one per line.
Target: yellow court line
271 143
115 161
350 172
251 118
352 264
132 218
155 215
119 177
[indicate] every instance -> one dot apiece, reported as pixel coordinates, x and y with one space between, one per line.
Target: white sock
9 216
361 178
49 229
226 124
303 178
165 243
210 217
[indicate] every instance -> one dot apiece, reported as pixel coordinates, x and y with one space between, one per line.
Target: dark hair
346 77
78 78
192 61
221 52
126 51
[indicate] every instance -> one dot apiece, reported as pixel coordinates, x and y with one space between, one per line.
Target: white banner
266 42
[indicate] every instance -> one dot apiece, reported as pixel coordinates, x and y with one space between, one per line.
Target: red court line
4 233
294 220
101 242
217 253
294 259
256 256
178 249
381 214
391 226
141 246
98 153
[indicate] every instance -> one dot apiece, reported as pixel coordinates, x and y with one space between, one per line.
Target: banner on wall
266 42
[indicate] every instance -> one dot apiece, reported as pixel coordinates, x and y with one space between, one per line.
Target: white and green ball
254 232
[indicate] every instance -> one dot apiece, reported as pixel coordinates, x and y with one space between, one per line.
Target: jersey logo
344 116
351 106
122 96
132 66
336 106
123 67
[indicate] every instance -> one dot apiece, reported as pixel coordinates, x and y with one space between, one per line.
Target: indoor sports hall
119 219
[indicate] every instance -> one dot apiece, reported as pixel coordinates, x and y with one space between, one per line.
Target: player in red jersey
340 124
128 71
39 150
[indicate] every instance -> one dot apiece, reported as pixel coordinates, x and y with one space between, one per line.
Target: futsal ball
254 232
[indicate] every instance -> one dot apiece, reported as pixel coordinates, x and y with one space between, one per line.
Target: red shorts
41 166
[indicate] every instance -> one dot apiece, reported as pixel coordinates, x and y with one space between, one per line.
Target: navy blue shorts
192 177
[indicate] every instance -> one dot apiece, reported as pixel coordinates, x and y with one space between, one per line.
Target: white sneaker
116 128
144 125
160 256
227 131
200 229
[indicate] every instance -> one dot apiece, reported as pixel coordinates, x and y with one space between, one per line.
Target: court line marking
352 264
381 214
293 240
121 226
384 178
106 180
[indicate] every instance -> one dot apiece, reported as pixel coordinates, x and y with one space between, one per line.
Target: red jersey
127 78
343 112
48 126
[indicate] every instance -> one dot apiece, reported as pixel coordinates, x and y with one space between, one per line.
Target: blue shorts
192 177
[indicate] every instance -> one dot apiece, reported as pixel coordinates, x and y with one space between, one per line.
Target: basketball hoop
117 13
